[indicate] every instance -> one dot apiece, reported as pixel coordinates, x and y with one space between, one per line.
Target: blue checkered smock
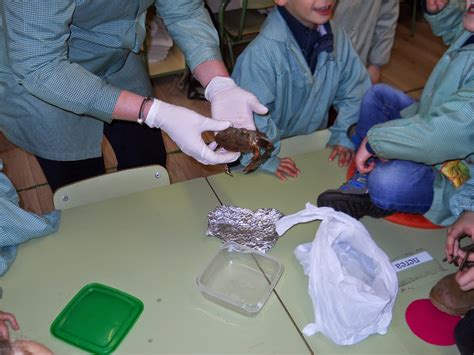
17 225
63 64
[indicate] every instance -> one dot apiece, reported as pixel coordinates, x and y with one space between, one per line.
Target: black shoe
355 205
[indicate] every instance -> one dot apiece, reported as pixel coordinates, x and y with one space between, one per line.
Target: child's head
22 347
469 16
309 12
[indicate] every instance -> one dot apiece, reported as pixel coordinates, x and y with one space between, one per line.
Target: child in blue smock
414 156
299 66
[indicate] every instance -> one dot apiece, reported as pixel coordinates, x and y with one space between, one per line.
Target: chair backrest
305 143
240 26
257 4
251 5
245 6
111 185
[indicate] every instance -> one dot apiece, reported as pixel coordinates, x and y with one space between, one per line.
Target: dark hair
5 347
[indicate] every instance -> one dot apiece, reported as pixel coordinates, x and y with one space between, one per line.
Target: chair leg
413 18
184 78
231 55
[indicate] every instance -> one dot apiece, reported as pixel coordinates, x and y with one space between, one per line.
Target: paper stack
158 40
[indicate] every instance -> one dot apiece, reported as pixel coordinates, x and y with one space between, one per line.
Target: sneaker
448 297
353 199
357 184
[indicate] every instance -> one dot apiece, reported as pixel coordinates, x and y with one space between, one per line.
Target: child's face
309 12
469 16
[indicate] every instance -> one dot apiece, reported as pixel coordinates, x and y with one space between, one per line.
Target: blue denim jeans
396 185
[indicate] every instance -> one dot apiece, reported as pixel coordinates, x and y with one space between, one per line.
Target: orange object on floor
404 219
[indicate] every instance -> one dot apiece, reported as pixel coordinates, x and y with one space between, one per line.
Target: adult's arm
190 26
36 41
192 29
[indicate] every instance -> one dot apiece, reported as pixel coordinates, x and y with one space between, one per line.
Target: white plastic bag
352 283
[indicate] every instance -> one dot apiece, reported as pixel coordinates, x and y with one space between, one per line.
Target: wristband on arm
141 114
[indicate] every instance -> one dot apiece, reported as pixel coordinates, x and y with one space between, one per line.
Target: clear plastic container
240 278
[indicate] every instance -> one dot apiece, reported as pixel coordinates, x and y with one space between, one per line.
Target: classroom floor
412 60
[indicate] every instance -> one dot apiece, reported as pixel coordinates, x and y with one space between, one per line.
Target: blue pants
396 185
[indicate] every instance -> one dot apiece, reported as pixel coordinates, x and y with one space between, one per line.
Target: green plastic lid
97 318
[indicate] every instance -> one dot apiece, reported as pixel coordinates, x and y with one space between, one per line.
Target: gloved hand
231 103
185 128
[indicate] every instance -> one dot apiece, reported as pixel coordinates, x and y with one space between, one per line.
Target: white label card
410 261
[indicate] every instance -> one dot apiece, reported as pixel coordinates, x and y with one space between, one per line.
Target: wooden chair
242 25
304 144
111 185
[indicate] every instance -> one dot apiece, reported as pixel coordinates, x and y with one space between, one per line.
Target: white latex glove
231 103
185 128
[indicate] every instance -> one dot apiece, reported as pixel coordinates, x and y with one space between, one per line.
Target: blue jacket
63 64
17 225
274 69
441 126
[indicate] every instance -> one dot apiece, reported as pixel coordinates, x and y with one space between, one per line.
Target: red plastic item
405 219
430 324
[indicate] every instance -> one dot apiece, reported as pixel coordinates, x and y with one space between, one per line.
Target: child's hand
345 155
463 225
434 6
375 73
4 318
465 279
286 168
362 156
